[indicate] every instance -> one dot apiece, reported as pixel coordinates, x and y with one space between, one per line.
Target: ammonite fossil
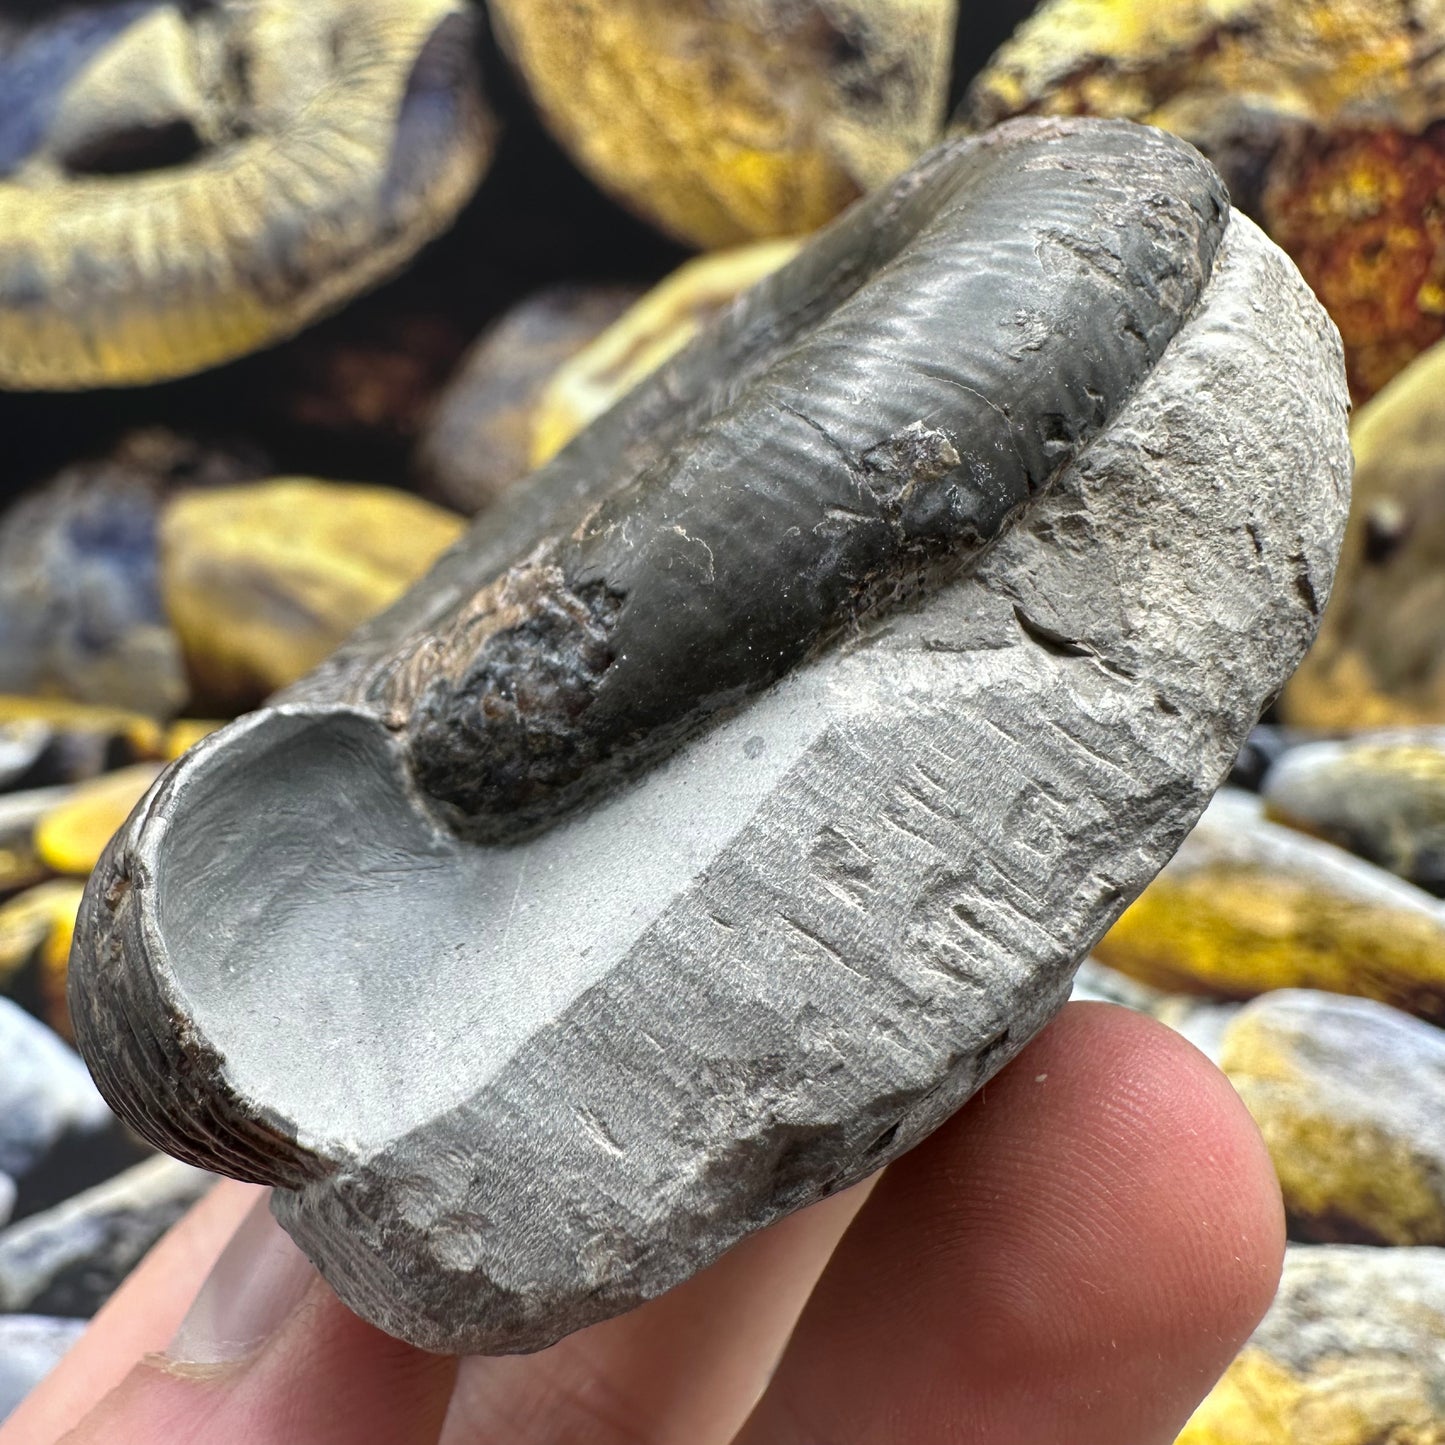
731 120
180 185
742 792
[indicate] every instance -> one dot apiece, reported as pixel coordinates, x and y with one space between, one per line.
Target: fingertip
1144 1195
1075 1257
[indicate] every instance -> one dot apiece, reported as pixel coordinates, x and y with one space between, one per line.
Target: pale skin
1072 1260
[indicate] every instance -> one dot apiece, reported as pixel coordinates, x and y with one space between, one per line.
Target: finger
141 1317
688 1366
267 1355
1075 1258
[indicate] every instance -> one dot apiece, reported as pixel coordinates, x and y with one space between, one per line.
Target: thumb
268 1355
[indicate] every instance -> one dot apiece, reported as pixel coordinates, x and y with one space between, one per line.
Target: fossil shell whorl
790 512
511 1089
176 191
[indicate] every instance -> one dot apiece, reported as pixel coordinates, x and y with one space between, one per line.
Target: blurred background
289 293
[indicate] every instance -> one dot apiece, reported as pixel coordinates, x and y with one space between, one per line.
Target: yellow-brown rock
84 739
190 183
262 582
1349 1095
1323 116
71 835
730 120
20 813
36 928
651 332
185 733
1351 1353
1380 657
1247 906
478 439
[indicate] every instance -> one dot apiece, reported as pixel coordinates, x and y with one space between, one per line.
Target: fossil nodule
895 632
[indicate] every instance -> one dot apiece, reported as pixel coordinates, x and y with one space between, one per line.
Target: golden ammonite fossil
724 121
180 185
1327 118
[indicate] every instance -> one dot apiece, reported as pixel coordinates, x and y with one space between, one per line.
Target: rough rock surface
69 1260
580 1066
30 1347
1351 1353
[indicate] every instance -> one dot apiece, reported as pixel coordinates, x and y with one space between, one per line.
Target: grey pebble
57 1134
70 1259
30 1347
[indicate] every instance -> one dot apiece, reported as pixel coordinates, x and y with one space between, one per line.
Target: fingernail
253 1289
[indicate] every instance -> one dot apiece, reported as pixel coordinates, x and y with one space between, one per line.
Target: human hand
1072 1260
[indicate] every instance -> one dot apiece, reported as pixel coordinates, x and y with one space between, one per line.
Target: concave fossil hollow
742 792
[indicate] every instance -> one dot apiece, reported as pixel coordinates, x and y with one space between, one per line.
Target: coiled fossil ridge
180 189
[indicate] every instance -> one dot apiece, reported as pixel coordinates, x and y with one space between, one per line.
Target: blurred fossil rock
30 1347
56 1134
81 614
652 332
261 582
80 609
71 834
20 863
1380 659
1248 906
1352 1352
78 741
1266 746
22 747
180 185
1380 794
732 120
1349 1095
839 857
1324 117
69 1260
478 440
36 928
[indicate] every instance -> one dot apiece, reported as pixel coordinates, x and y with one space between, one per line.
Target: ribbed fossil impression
181 184
742 792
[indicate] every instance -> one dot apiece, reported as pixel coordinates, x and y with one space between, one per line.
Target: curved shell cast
177 191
